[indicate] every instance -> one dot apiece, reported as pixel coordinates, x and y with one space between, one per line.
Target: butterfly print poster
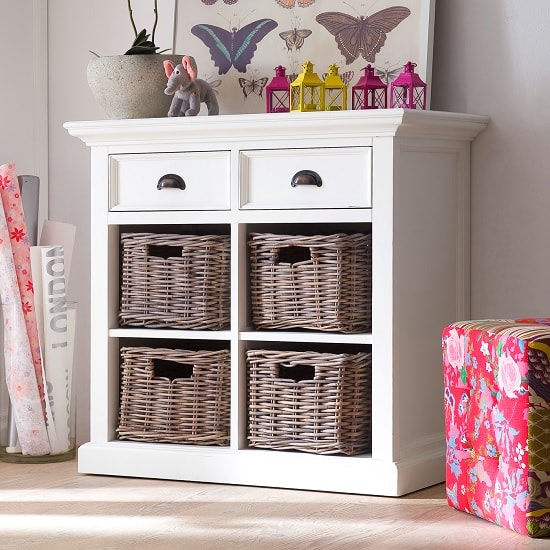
238 43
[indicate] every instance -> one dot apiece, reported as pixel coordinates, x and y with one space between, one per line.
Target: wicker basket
157 406
327 411
175 281
319 282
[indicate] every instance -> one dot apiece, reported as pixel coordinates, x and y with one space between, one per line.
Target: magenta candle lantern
278 92
369 92
408 91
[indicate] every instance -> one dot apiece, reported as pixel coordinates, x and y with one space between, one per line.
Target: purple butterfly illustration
234 48
362 36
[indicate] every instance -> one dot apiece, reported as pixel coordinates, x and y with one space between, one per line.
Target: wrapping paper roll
21 343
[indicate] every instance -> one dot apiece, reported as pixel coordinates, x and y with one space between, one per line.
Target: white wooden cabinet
404 175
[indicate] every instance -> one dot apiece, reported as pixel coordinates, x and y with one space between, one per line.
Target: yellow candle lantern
307 92
336 91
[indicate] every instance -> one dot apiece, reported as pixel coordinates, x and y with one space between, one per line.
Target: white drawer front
267 175
133 181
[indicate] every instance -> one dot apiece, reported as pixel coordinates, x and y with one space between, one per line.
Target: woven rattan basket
175 281
174 396
327 411
320 282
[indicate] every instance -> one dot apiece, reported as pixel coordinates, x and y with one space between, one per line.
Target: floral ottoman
497 421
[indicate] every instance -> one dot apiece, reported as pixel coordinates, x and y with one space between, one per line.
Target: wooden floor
52 506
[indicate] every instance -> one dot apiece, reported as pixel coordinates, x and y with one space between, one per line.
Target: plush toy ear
168 67
190 66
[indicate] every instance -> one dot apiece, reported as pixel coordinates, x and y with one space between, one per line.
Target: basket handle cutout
165 251
164 368
293 254
297 372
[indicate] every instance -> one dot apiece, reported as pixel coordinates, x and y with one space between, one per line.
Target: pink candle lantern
278 92
369 92
408 91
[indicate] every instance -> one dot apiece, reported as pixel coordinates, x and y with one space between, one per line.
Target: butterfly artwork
215 83
253 85
294 37
292 77
388 74
362 36
236 47
291 3
293 71
212 2
346 76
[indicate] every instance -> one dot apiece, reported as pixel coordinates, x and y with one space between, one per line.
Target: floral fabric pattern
497 421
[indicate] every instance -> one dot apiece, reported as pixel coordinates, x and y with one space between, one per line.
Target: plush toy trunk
497 421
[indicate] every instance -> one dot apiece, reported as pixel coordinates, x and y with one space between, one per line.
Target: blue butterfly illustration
235 47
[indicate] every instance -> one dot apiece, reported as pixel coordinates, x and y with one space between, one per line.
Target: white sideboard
402 175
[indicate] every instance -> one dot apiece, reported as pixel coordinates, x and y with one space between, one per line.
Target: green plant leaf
142 45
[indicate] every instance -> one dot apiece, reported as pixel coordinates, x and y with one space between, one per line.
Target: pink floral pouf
497 421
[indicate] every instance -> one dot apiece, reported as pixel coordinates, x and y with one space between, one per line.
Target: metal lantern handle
306 177
171 181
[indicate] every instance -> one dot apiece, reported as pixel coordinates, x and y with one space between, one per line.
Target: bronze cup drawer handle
171 181
306 177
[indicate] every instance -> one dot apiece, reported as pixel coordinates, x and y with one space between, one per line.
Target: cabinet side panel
431 286
103 306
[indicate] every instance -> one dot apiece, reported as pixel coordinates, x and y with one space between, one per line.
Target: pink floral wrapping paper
497 422
17 227
21 343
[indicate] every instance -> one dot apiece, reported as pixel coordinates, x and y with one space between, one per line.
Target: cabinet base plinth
287 470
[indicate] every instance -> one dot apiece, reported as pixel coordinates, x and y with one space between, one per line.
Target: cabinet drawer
134 180
345 178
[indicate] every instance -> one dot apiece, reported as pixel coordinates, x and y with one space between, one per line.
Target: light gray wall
23 94
490 57
74 28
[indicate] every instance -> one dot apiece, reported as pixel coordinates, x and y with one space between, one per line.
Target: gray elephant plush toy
188 90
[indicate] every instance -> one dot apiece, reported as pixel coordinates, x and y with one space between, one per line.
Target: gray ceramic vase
131 86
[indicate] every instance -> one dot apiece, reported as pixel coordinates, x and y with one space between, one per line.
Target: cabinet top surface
235 128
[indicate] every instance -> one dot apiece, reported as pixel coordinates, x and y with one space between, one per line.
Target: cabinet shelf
166 334
306 337
400 175
250 335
